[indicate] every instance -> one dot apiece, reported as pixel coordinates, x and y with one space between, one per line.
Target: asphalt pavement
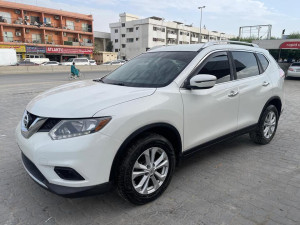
232 183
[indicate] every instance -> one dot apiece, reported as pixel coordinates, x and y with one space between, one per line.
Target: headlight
74 128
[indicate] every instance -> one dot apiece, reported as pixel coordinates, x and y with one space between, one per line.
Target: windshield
70 60
156 69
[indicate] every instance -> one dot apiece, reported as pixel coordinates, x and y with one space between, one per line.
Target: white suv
77 61
129 129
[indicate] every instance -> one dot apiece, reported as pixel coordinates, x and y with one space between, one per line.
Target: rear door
255 87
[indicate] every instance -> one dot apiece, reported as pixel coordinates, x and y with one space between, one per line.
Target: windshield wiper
120 84
99 80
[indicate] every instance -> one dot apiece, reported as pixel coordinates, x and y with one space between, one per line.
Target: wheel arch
164 129
276 101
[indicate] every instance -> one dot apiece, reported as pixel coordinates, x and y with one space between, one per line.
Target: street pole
200 36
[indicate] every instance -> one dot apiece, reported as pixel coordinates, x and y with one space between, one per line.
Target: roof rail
211 43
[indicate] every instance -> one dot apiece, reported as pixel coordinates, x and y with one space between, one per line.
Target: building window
137 28
123 46
116 30
5 17
130 40
129 29
158 39
137 39
8 37
123 35
159 29
36 38
70 25
116 50
34 20
116 40
123 24
49 39
85 27
47 21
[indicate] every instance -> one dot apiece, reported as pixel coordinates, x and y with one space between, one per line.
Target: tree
295 35
109 46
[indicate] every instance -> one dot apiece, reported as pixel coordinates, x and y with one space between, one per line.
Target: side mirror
203 81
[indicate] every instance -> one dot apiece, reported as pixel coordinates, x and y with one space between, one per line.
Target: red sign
80 51
290 45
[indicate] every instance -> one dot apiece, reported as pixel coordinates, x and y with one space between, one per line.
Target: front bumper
90 155
39 178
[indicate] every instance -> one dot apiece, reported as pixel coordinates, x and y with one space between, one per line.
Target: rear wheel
147 169
267 126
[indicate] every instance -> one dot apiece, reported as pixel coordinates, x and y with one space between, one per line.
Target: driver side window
217 65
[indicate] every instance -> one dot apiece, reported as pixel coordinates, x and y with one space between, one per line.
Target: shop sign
290 45
79 51
19 48
35 49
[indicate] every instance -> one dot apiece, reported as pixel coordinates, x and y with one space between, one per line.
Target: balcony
194 39
53 25
172 35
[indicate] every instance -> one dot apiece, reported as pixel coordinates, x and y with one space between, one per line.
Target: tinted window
217 65
264 62
246 64
153 69
295 64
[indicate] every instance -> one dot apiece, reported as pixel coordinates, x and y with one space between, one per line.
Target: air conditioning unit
56 17
65 34
26 17
17 11
27 31
77 20
18 34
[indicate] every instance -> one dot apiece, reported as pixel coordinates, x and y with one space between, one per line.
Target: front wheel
146 170
266 127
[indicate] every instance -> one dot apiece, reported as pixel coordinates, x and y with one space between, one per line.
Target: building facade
101 40
37 32
132 36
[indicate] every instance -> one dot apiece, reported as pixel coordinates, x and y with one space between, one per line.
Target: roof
197 47
100 34
13 5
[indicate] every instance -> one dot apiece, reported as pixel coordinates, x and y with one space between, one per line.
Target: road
233 183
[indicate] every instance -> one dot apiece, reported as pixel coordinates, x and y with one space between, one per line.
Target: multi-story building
132 36
101 40
41 32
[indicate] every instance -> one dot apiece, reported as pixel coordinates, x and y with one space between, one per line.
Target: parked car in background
8 57
107 63
50 63
131 128
27 63
294 70
37 60
77 61
93 62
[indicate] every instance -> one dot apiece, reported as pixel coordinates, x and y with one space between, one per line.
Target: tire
259 135
128 186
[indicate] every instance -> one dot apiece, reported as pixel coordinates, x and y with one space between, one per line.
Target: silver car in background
294 70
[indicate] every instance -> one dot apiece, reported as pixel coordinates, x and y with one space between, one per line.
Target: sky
219 15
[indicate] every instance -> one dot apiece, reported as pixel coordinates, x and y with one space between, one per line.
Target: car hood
83 99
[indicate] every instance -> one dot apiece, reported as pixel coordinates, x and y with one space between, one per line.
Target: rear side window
217 65
264 62
245 64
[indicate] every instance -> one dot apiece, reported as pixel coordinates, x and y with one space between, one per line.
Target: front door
211 113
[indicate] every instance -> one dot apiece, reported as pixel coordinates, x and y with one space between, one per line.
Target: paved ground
233 183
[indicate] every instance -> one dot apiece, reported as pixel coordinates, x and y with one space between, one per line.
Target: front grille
49 124
33 170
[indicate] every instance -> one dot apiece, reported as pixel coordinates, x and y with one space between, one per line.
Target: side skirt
193 150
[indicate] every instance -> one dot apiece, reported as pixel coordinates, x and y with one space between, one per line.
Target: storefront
35 52
64 54
20 49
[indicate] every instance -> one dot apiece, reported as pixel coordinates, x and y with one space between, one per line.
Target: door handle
233 93
265 83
